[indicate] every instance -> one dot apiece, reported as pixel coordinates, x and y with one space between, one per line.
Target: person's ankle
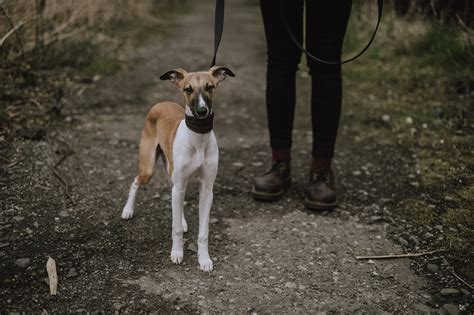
281 155
321 164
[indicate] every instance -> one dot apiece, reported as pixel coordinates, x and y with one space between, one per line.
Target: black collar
200 125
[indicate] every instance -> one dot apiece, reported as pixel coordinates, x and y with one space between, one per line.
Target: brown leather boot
321 191
272 184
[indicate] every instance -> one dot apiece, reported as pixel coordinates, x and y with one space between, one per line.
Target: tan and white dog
184 139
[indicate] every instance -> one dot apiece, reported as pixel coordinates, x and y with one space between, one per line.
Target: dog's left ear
220 73
174 75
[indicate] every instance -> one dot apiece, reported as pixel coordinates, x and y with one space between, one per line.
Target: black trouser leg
283 58
326 23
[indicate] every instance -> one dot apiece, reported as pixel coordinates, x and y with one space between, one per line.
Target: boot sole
315 205
264 196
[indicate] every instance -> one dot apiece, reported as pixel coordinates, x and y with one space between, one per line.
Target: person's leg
326 23
283 58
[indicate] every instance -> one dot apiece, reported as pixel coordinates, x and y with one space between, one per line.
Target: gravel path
268 257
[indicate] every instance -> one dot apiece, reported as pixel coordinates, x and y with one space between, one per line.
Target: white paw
205 264
127 213
185 225
176 256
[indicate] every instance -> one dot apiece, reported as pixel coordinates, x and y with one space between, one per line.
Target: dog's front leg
177 201
205 203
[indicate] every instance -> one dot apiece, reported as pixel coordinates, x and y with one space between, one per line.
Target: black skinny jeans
326 22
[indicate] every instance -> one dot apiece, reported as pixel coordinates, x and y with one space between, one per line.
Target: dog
185 140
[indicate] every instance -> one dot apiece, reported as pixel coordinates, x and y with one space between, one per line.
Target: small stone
451 309
439 227
422 309
403 241
118 306
213 220
449 291
29 231
238 164
409 120
4 245
22 262
414 239
166 197
290 285
386 117
72 273
357 173
192 247
18 218
433 268
63 213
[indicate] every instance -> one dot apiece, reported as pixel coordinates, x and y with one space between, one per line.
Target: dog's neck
196 124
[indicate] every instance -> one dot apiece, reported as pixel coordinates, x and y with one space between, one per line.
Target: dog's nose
202 111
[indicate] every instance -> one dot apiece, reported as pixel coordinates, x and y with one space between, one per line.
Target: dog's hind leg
149 151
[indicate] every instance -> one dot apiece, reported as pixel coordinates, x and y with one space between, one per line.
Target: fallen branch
462 280
390 256
12 25
52 276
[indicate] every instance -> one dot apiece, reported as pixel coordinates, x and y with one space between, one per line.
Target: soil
268 257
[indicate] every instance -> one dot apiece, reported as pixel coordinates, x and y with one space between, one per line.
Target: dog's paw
177 256
127 213
205 264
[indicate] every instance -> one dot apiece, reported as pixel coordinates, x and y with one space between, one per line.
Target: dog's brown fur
158 136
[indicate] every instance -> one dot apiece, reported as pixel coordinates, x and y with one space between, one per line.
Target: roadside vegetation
417 81
52 47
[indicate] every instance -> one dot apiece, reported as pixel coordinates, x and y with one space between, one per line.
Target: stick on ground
391 256
52 275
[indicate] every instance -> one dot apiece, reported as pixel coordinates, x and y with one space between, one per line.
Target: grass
420 69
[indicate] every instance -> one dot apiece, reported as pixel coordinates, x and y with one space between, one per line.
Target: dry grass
29 24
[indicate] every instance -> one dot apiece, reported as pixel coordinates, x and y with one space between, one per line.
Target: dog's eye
188 89
209 87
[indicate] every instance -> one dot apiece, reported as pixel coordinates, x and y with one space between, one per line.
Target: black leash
295 41
218 28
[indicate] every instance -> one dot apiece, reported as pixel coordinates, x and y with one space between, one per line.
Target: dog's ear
174 75
220 73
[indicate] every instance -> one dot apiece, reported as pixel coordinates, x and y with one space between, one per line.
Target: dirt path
274 257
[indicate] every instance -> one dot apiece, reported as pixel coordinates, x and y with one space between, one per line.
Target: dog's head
198 88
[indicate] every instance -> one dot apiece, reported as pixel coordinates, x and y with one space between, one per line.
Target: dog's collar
200 125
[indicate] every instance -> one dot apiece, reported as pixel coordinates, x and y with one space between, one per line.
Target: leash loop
295 41
218 28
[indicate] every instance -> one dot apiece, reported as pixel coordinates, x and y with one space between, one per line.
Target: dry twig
462 280
390 256
61 179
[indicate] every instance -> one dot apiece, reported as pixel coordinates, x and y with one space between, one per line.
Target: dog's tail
149 151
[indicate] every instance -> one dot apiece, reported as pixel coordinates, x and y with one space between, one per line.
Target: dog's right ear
174 75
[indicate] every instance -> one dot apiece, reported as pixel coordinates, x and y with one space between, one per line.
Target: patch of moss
417 211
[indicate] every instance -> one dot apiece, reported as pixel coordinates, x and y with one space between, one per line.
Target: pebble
22 262
439 227
192 247
118 306
414 239
451 309
238 164
386 117
433 268
63 213
422 309
449 291
4 245
290 285
72 273
18 218
403 241
409 120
